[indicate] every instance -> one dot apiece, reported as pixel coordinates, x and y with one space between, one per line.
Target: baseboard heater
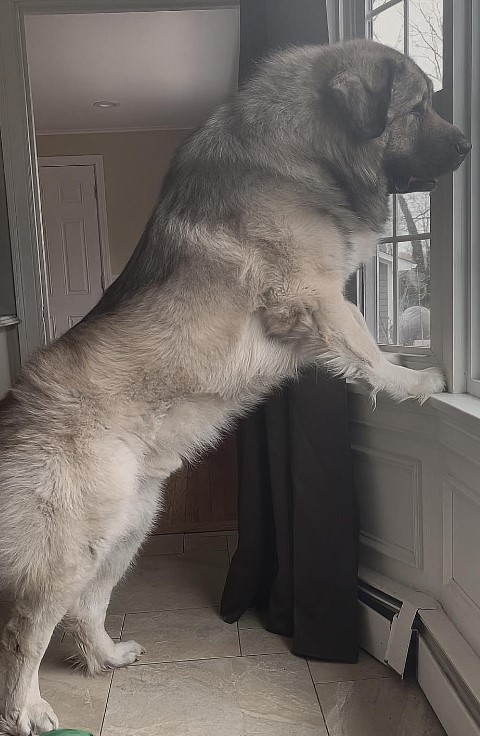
411 633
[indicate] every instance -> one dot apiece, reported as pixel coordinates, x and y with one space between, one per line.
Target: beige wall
134 166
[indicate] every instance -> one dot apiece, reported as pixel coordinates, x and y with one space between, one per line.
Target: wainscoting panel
461 558
390 504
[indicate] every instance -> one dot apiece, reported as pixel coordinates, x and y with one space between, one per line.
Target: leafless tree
426 47
426 36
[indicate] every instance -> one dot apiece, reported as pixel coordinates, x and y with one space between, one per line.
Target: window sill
456 407
8 320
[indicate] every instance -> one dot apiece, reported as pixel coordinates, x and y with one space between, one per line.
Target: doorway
75 234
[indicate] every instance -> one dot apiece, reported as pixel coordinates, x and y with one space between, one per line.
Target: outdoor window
400 275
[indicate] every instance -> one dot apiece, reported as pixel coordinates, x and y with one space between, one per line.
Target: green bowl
67 732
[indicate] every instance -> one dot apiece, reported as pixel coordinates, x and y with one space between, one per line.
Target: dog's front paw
394 358
404 383
430 381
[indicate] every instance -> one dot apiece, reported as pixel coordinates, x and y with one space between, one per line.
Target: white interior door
72 243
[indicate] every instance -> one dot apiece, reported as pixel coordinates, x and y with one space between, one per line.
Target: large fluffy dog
235 285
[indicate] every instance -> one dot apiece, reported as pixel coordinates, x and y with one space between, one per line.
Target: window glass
403 266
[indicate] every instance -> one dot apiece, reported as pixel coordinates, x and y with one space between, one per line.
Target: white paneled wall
391 504
417 475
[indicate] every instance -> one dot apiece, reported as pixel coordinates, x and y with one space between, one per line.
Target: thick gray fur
235 286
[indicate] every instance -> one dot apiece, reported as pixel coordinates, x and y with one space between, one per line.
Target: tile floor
202 677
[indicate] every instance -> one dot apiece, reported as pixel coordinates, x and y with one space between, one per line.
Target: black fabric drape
297 550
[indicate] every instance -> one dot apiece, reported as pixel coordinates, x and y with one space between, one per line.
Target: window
440 285
400 275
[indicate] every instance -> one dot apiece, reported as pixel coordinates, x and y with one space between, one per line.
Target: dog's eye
417 111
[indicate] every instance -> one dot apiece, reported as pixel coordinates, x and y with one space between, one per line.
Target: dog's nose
463 147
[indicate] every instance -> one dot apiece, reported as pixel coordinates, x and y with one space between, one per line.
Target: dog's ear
363 99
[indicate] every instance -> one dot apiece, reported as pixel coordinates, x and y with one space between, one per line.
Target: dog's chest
360 248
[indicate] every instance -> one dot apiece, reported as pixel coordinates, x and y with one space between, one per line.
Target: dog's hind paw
125 653
36 718
120 654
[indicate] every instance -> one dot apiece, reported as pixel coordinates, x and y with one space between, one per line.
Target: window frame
473 297
454 234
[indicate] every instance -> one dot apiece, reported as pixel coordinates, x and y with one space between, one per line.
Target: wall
134 166
417 474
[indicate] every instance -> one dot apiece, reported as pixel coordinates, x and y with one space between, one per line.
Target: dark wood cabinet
203 497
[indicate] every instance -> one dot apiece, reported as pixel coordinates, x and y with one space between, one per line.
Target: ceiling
167 69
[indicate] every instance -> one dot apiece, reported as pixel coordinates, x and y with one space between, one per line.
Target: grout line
239 639
318 698
359 679
208 659
139 663
161 610
122 626
320 706
106 704
215 607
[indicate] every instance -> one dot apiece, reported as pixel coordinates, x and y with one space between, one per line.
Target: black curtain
297 550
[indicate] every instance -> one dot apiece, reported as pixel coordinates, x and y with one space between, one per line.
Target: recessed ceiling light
105 103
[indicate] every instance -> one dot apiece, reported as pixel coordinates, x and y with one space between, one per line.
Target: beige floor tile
163 544
205 541
113 627
366 667
78 701
379 707
232 543
190 580
259 641
173 636
242 696
251 619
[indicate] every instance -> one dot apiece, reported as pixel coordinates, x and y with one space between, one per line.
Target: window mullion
395 271
406 31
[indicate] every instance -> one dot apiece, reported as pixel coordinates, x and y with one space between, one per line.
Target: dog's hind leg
24 641
86 618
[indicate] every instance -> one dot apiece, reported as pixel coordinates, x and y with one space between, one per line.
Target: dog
236 284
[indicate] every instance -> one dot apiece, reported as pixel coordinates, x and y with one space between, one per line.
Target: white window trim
451 275
473 378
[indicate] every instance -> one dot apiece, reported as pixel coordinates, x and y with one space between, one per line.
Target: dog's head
375 92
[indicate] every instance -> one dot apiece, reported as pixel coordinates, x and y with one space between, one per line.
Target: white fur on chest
363 246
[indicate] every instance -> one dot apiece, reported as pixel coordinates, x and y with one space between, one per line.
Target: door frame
17 132
97 162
